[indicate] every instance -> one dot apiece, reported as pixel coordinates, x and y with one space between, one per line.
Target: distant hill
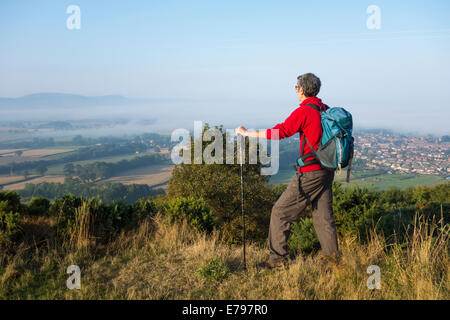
63 100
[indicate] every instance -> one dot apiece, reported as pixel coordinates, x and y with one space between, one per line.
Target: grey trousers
305 188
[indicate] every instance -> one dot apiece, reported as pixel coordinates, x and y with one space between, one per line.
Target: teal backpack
337 145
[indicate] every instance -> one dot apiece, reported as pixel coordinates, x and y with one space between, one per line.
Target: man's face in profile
300 92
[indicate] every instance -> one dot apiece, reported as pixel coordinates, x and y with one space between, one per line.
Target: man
311 184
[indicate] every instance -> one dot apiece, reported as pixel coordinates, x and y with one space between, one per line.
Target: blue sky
236 62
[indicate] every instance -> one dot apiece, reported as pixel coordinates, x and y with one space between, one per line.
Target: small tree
10 209
78 140
25 174
69 170
38 206
41 169
12 167
219 186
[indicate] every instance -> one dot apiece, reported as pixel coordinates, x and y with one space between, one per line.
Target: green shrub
144 208
355 209
63 209
13 201
104 220
9 224
101 219
195 211
277 190
121 215
303 238
10 209
214 270
392 212
38 206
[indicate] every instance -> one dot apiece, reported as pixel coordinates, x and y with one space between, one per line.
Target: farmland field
10 179
58 169
35 152
65 150
378 181
47 178
402 181
44 152
159 175
8 155
155 175
4 152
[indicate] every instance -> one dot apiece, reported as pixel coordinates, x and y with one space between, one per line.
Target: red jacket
304 119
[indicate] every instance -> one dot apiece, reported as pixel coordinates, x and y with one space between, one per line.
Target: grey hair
310 84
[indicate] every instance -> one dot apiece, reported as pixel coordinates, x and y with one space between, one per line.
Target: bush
12 199
10 209
102 221
38 206
63 210
355 209
214 270
69 210
303 238
195 211
144 208
9 224
120 215
391 212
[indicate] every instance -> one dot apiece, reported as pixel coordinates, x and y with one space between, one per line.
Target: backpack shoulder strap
302 147
314 106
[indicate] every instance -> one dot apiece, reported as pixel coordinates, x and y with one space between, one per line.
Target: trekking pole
242 200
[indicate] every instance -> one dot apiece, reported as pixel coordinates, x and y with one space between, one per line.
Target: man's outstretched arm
288 128
246 133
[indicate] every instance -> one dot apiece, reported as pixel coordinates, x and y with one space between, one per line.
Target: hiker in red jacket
311 184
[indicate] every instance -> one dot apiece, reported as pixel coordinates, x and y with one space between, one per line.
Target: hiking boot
271 264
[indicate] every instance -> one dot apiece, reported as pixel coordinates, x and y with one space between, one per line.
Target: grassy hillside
187 246
161 260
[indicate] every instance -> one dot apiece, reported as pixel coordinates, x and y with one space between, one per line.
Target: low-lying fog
165 117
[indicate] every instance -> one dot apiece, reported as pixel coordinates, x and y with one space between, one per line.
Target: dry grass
160 260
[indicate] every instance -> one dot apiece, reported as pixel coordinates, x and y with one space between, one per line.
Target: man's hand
254 134
240 131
